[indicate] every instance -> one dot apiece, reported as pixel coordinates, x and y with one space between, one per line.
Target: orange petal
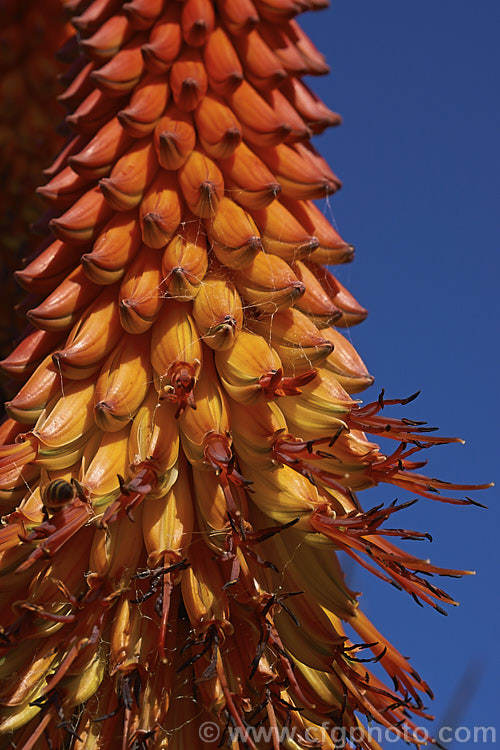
188 79
130 176
202 184
248 178
97 158
165 41
222 64
146 106
218 129
174 138
161 210
197 21
140 292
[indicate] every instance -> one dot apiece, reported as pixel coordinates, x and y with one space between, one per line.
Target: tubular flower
179 467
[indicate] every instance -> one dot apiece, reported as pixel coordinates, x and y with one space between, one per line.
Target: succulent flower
180 464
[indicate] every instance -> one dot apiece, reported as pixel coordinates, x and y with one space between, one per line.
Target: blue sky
417 85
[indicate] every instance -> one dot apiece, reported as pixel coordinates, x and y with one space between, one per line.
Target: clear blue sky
417 84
